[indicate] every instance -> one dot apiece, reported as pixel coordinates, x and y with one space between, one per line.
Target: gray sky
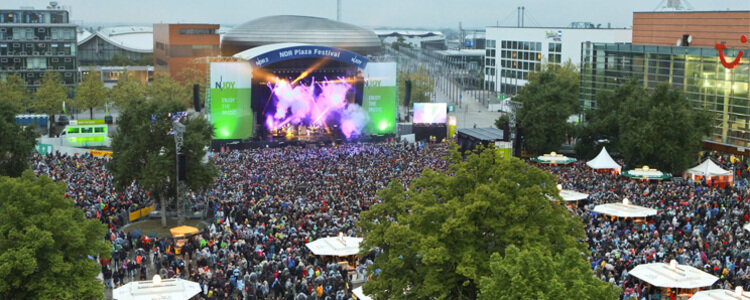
370 13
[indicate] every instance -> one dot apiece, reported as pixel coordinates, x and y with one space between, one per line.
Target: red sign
736 61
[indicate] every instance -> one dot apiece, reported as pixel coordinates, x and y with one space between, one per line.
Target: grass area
154 225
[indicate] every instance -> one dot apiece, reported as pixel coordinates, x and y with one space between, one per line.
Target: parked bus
86 134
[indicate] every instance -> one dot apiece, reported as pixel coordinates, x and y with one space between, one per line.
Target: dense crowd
266 204
698 224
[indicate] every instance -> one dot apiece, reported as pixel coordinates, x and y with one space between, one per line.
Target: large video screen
230 106
430 113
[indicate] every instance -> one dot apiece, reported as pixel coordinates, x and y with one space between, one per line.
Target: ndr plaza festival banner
230 105
380 98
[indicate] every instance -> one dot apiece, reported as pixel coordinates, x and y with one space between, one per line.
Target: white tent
335 246
603 161
673 275
721 295
553 158
624 210
707 169
568 195
177 289
360 294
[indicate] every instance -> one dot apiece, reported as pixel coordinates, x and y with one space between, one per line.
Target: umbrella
153 234
136 233
183 231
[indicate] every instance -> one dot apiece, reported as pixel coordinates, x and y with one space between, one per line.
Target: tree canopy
191 76
90 94
50 95
17 142
436 238
659 128
167 89
144 150
547 101
421 85
535 273
127 91
13 91
45 242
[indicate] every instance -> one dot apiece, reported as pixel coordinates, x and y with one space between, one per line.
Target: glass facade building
697 72
36 41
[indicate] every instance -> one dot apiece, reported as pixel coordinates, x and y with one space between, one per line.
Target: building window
197 31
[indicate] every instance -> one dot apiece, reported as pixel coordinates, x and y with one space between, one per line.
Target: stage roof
299 29
484 134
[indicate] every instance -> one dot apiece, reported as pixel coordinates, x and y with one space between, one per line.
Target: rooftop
131 38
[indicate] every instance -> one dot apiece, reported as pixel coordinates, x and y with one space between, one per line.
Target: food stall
181 234
667 279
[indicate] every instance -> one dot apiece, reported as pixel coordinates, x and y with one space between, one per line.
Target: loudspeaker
407 93
196 97
181 174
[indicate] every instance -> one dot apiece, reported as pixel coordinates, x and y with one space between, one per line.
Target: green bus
86 136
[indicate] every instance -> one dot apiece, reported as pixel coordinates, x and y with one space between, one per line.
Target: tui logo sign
730 64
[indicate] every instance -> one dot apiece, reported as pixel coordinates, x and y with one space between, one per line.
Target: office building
178 46
34 41
513 52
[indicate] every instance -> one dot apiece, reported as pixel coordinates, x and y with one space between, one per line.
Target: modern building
513 52
34 41
428 40
178 46
111 74
300 29
130 45
707 82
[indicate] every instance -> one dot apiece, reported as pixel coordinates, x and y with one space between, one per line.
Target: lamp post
179 131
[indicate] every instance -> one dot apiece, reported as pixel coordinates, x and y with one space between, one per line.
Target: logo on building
730 64
554 35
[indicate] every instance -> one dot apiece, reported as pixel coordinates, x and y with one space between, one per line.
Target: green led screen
231 113
380 97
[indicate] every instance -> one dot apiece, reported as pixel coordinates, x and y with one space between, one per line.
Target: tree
503 123
191 76
400 42
13 91
145 151
128 91
535 273
422 85
90 94
50 95
120 60
547 101
436 237
165 88
661 129
18 142
45 242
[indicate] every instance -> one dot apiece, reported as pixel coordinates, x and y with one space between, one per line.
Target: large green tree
191 76
50 95
422 85
436 237
17 142
547 101
128 91
535 273
45 242
661 129
90 94
145 151
165 88
14 92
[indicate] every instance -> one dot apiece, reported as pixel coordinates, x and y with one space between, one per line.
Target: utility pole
338 10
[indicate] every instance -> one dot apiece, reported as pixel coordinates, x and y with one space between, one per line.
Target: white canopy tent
553 158
624 210
335 246
708 169
646 173
360 294
673 275
569 195
603 161
172 289
737 294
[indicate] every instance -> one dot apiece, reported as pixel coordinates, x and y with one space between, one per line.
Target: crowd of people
265 206
698 224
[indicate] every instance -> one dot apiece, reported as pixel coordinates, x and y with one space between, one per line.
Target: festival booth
711 172
342 249
604 162
181 234
360 295
177 289
625 210
570 198
737 294
682 280
646 173
553 159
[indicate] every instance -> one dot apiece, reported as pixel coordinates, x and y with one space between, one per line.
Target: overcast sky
370 13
